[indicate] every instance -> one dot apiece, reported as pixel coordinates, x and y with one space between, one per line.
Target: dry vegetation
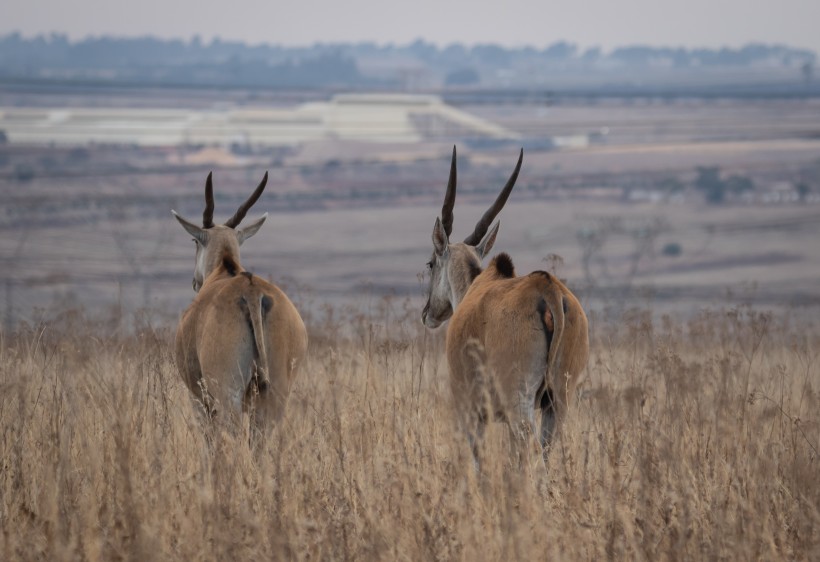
691 439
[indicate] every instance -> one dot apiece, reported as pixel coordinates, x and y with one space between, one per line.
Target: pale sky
603 23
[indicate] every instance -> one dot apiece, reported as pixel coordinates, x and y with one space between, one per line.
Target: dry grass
690 440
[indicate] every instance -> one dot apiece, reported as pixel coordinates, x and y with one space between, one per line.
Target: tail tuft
504 265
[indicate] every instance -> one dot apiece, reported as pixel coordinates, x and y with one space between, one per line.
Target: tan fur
497 348
514 344
239 329
216 345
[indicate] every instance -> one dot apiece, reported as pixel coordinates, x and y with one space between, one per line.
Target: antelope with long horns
241 341
514 344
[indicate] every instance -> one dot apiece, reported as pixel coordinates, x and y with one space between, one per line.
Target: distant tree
79 154
561 50
24 173
807 71
48 162
241 149
803 190
462 77
592 54
715 189
332 165
423 50
454 54
638 55
672 250
670 185
739 184
491 54
709 182
151 60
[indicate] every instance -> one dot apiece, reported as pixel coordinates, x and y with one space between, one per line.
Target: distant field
351 221
766 255
654 121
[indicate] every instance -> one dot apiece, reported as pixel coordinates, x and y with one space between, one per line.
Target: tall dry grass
690 440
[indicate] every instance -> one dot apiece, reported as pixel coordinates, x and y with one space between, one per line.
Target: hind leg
521 426
267 405
475 436
204 402
548 420
553 414
222 390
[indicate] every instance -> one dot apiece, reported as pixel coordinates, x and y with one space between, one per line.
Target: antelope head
453 267
214 241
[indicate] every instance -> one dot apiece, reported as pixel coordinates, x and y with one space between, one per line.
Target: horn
208 215
234 221
482 225
449 198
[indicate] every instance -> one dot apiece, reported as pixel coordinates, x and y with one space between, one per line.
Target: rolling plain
695 434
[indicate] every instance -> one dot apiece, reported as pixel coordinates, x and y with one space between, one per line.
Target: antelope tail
257 307
553 309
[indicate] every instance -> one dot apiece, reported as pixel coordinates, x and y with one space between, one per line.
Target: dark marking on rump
548 325
259 376
246 309
267 304
547 399
547 322
249 276
504 265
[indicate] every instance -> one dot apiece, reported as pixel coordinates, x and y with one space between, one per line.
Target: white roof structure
393 118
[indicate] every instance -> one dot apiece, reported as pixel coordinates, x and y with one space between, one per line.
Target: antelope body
241 341
514 344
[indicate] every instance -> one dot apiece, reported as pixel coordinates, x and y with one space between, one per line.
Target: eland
515 344
241 342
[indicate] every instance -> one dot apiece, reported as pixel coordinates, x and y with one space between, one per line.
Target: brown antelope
514 344
241 341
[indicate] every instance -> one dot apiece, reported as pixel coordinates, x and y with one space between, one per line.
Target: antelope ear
245 233
440 240
487 242
191 228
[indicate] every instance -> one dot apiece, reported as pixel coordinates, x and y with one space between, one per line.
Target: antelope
514 344
241 341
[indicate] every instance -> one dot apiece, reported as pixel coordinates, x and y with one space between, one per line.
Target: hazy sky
604 23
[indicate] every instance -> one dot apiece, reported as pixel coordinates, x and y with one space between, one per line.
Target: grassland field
695 433
689 439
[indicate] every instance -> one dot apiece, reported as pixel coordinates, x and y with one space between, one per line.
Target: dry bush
690 440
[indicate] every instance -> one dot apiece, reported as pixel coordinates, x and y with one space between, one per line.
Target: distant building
393 118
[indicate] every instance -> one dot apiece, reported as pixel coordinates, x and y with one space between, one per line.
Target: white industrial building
393 118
